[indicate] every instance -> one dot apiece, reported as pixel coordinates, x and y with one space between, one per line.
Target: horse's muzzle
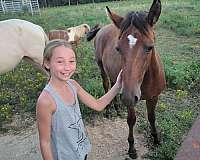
130 99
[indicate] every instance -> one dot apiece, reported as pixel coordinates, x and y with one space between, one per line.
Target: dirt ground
108 138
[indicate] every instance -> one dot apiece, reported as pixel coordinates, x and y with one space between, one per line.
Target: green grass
182 17
177 32
175 113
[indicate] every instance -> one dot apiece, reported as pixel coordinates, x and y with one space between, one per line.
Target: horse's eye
148 48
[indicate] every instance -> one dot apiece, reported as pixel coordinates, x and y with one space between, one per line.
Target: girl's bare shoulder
45 100
75 83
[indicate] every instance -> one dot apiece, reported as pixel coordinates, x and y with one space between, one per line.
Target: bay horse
58 34
21 39
129 44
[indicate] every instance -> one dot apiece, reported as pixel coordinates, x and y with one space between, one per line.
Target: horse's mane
137 19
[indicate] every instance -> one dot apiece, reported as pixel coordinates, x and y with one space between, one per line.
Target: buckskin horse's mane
137 19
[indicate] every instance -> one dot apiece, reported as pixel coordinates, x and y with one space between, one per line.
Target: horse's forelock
136 19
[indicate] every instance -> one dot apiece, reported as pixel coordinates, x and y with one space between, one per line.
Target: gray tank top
68 137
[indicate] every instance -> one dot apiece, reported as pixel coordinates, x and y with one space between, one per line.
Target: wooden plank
190 148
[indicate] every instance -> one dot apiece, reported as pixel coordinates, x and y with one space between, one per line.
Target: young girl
61 129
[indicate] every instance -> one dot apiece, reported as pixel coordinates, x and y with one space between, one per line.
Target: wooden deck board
190 148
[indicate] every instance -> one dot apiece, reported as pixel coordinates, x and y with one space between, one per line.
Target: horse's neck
154 79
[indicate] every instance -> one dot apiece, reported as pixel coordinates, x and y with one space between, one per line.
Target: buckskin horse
21 39
129 44
77 32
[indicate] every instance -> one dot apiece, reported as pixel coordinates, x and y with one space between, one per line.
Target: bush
19 91
182 75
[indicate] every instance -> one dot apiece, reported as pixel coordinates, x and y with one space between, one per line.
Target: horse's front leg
105 81
116 103
131 119
103 76
151 104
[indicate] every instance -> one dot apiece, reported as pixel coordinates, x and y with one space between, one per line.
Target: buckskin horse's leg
151 104
131 119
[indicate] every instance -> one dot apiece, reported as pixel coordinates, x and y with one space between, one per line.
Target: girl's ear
46 65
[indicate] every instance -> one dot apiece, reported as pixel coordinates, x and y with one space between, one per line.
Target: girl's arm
102 102
44 112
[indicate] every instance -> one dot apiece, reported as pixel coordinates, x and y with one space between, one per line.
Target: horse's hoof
133 155
156 142
108 116
127 158
119 115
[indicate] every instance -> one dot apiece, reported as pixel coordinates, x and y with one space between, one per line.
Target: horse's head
87 28
136 46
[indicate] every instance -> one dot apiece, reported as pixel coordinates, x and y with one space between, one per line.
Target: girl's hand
119 81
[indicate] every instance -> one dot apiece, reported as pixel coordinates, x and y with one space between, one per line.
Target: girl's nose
67 67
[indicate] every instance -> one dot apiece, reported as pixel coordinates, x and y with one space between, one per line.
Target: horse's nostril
136 99
117 48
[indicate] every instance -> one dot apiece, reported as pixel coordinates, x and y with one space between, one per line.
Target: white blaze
132 40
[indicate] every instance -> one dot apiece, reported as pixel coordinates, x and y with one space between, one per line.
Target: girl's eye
72 61
59 61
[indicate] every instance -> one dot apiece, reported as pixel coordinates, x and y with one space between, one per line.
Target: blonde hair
51 45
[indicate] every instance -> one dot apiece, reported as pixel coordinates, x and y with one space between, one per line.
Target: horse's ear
154 12
117 20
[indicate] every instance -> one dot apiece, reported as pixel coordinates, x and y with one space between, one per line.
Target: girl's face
62 64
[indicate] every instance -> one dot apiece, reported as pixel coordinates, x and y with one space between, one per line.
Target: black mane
137 19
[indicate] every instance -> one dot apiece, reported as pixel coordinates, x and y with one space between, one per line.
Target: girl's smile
63 63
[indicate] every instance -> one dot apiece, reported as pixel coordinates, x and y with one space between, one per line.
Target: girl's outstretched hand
119 81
